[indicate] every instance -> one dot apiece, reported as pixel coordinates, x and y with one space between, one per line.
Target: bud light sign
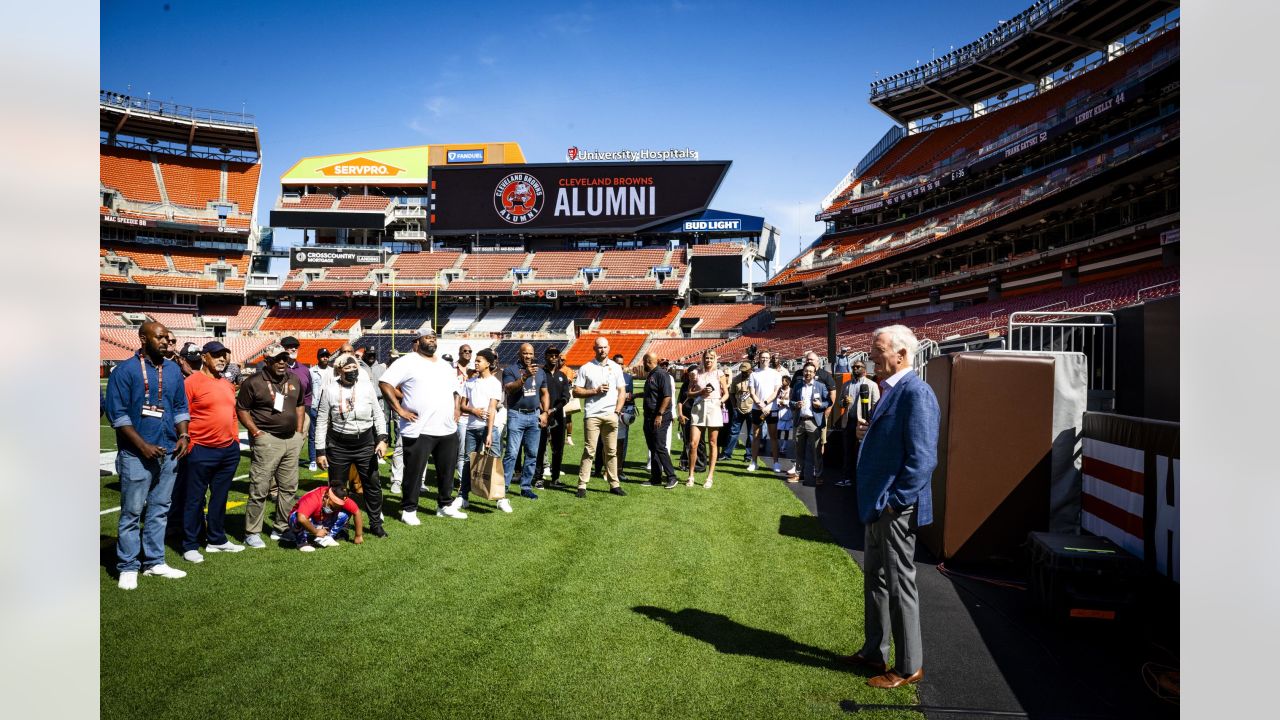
711 225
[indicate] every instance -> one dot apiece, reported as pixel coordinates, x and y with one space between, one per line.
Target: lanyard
146 385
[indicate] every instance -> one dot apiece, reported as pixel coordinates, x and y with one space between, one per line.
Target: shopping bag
487 479
573 406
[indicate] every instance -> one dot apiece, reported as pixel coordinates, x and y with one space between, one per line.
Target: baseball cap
213 347
274 350
447 357
289 342
322 353
189 348
426 331
844 349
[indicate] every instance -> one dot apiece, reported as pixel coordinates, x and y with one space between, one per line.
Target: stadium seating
529 318
191 182
422 264
679 350
382 344
640 318
631 263
582 351
316 201
494 320
509 351
409 318
461 318
145 259
348 319
711 249
364 202
239 317
242 185
176 281
110 318
299 320
122 337
785 340
130 173
353 272
174 320
721 317
491 265
346 286
560 263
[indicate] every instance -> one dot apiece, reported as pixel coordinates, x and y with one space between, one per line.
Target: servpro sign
554 198
360 167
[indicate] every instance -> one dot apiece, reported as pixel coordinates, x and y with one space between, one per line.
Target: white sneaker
326 541
129 580
395 488
751 467
777 467
312 467
193 556
410 518
504 505
382 461
164 571
254 541
453 510
275 535
227 546
465 503
307 548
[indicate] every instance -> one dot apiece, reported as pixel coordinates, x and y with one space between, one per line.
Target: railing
1153 287
1091 333
171 110
926 351
415 211
418 235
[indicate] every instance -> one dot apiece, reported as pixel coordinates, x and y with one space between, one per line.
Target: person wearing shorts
707 415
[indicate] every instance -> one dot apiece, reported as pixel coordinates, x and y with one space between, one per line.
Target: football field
661 604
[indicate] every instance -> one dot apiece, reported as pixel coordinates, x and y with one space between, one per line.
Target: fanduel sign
465 156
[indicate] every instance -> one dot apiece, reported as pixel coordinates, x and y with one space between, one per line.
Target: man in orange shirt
214 453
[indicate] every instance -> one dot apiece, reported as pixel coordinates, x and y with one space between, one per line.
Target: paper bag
487 479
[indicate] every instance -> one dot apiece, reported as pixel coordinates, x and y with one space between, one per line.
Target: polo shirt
656 387
765 383
128 389
212 403
529 397
303 373
257 397
429 387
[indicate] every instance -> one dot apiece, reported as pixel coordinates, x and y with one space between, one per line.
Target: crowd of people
177 412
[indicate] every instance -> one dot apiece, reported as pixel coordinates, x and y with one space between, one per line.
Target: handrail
172 110
1153 287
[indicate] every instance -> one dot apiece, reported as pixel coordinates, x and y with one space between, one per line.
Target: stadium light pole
393 311
435 303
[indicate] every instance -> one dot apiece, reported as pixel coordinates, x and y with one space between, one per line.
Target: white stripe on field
117 508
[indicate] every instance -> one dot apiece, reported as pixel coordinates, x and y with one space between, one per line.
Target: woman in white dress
708 414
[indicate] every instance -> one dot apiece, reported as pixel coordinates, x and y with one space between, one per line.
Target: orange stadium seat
679 350
145 259
423 264
631 263
239 317
174 320
322 201
190 182
193 261
560 263
176 281
301 320
639 318
364 202
242 185
129 172
110 318
492 265
720 317
582 351
729 248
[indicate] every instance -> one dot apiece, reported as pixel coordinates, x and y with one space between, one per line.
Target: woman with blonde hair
708 413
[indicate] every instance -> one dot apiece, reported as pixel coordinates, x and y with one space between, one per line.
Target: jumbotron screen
572 198
715 272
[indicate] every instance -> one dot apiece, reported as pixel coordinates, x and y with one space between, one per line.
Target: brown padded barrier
991 486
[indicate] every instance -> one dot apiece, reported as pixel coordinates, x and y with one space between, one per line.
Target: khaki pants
594 428
273 473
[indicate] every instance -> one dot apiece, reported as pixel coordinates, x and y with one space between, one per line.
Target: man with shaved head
657 420
147 406
528 406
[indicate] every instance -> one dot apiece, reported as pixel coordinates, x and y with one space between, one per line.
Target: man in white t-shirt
764 384
599 384
423 392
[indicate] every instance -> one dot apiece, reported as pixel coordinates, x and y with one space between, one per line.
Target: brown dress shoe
865 663
891 680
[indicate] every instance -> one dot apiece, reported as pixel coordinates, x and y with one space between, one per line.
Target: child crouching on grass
321 514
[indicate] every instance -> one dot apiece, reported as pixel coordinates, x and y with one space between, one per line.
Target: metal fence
1091 333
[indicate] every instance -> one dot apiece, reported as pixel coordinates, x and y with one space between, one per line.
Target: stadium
1020 216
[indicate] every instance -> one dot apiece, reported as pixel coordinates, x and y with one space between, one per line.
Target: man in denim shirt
147 406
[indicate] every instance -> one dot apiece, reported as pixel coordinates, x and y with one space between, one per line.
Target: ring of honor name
518 198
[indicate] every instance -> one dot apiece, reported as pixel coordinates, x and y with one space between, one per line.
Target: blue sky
779 88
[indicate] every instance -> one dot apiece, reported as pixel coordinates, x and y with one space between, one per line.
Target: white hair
900 337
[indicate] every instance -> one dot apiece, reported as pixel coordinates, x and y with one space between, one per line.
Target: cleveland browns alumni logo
518 198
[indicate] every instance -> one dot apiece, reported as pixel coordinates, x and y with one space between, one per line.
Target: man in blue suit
809 403
899 449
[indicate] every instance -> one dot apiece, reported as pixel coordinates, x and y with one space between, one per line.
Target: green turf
662 604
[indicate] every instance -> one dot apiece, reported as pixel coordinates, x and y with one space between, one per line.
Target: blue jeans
335 523
522 429
474 442
737 421
144 484
210 469
311 436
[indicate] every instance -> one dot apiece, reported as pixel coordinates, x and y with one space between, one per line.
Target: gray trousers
807 436
273 473
891 603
